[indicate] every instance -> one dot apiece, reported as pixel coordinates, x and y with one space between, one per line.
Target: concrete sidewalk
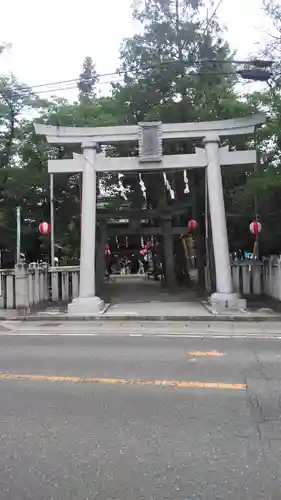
135 298
157 311
141 328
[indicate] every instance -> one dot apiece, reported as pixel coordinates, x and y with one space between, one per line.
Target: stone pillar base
226 302
86 306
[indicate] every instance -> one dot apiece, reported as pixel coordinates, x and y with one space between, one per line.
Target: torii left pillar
88 304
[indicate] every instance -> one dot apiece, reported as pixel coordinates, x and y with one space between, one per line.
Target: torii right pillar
224 299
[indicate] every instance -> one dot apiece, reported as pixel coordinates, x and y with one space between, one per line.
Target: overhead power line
74 86
148 67
163 64
76 80
245 74
260 72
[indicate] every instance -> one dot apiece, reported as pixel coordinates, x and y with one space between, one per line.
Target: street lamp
257 75
261 71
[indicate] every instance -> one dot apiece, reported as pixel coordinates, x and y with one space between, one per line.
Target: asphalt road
74 424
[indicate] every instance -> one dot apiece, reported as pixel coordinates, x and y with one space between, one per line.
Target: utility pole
18 234
256 251
52 220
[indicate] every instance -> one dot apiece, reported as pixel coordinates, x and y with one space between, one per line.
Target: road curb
206 319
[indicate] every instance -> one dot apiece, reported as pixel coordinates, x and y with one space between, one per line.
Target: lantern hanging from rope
192 225
255 227
107 249
44 227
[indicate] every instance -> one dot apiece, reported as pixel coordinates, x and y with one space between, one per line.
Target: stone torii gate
150 136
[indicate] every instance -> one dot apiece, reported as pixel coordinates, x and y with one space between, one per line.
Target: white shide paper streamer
121 187
168 186
142 186
185 178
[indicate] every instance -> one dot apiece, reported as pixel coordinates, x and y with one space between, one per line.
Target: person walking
141 267
122 267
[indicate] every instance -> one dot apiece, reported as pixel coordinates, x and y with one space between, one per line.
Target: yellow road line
181 384
215 354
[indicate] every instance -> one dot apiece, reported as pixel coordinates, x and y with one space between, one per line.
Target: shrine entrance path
136 288
139 296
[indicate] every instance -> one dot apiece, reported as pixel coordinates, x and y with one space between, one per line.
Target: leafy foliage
87 81
179 68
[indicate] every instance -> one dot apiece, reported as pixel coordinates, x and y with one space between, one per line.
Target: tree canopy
179 68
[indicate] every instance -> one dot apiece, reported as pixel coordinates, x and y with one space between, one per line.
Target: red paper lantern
192 225
44 227
255 227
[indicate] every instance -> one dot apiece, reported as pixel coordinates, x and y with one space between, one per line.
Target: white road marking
203 336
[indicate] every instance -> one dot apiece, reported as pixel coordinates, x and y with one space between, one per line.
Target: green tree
87 81
272 9
177 59
92 112
15 101
14 98
263 184
178 69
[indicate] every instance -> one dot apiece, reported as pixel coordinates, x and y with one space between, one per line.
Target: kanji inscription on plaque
150 142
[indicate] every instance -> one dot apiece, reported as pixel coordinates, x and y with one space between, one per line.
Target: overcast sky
51 38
